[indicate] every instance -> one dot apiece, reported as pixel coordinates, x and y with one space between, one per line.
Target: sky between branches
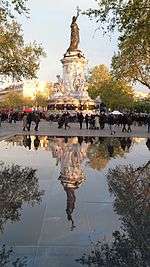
49 24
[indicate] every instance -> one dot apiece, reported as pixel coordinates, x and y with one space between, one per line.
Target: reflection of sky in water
72 207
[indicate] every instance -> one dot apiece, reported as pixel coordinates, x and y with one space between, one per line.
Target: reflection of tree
7 258
130 247
103 149
17 185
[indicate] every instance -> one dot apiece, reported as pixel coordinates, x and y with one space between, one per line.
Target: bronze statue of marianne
75 39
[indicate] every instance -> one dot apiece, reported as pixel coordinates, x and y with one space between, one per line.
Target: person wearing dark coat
148 123
87 121
37 120
29 120
80 119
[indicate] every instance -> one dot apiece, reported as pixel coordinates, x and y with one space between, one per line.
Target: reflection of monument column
70 156
72 174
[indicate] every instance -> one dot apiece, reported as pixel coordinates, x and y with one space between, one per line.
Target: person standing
148 123
97 122
80 119
87 121
0 119
111 123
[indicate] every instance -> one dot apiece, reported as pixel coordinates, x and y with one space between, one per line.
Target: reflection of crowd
27 142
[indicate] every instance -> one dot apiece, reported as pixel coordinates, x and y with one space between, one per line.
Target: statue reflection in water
70 155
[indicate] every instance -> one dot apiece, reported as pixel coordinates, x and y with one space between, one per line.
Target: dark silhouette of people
80 140
148 143
87 121
36 142
123 143
27 141
110 149
129 142
80 119
37 121
66 139
29 121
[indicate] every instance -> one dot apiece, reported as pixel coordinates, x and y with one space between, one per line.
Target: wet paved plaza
51 211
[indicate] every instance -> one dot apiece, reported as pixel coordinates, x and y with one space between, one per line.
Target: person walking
66 119
29 120
129 123
37 121
111 124
124 122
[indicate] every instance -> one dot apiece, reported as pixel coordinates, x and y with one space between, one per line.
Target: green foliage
17 60
7 256
117 94
16 100
132 63
40 100
99 155
9 7
13 100
132 21
114 93
17 186
97 78
142 105
130 246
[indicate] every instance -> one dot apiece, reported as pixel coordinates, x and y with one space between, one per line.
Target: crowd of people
26 117
99 121
125 121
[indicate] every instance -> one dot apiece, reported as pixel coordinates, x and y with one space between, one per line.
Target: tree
17 186
102 150
132 21
132 62
114 93
142 105
9 7
8 256
97 77
13 100
40 100
17 59
117 94
130 246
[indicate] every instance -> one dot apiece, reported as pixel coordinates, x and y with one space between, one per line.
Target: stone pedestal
74 65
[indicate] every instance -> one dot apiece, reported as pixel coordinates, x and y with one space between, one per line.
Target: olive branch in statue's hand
78 11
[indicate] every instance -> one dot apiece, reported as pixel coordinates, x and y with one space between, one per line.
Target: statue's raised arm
75 39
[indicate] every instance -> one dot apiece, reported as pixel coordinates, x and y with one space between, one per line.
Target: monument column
74 65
